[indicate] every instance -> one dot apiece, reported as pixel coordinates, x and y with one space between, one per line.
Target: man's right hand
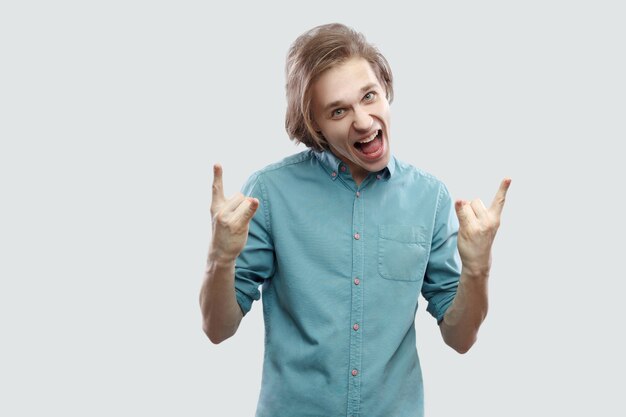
231 220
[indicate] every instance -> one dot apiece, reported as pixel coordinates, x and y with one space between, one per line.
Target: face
351 111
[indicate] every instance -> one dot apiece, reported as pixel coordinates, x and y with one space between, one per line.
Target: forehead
343 82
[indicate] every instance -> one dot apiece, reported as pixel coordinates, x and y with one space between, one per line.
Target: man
343 238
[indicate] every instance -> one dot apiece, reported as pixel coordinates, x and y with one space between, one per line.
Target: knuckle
493 220
222 219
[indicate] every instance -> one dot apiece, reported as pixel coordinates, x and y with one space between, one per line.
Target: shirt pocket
402 252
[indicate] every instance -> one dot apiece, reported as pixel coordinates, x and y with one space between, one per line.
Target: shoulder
423 185
282 170
291 162
409 175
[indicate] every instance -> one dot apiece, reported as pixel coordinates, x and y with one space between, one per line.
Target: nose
362 119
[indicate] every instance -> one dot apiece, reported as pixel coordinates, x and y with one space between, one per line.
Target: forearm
468 310
220 310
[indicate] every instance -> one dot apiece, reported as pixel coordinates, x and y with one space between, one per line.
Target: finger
218 186
498 202
464 212
230 205
245 211
479 209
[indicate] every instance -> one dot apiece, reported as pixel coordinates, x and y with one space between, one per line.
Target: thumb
254 205
246 210
461 212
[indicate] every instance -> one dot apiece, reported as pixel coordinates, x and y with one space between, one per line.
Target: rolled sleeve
443 270
255 263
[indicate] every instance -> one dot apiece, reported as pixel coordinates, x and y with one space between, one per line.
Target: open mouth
372 145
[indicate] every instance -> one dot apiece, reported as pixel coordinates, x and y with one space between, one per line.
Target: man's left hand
477 229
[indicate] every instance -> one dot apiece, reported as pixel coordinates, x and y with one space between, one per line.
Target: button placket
356 307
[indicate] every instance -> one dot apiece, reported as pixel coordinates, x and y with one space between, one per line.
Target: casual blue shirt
341 268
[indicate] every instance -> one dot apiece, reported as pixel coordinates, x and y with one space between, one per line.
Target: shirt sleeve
444 264
255 263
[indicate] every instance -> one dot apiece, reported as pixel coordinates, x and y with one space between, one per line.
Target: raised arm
221 313
477 230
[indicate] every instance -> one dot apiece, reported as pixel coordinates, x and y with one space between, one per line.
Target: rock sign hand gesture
477 229
230 219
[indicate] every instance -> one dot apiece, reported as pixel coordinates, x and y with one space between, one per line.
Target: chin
380 164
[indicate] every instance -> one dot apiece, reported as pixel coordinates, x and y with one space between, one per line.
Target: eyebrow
338 103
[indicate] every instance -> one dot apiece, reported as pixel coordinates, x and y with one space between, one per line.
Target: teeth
371 138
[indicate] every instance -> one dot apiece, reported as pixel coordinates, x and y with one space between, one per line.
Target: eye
370 96
338 112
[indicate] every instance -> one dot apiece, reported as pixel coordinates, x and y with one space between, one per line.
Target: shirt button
343 168
356 326
357 281
378 176
333 174
357 236
355 372
358 194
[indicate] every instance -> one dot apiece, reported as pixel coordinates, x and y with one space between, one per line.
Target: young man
343 237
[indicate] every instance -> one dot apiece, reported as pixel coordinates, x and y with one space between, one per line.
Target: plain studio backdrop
113 113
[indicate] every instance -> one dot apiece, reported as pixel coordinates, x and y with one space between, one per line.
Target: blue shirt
341 268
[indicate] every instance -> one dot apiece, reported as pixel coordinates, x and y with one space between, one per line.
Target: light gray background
112 114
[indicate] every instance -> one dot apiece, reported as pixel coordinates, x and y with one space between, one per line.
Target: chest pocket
402 252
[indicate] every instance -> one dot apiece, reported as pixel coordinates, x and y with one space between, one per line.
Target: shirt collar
332 164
